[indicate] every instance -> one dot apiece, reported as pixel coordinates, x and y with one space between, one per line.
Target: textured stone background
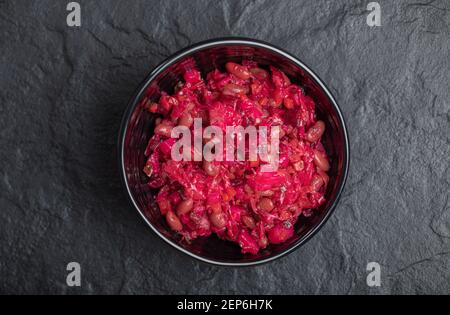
63 91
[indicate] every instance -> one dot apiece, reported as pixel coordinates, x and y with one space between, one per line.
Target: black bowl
137 128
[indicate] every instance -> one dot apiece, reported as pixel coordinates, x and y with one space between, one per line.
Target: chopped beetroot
166 146
265 181
247 243
280 233
237 200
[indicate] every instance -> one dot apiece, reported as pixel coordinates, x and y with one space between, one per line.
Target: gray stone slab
63 91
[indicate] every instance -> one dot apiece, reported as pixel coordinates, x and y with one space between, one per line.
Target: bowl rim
227 41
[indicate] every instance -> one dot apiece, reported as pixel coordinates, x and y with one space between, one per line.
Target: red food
236 200
280 233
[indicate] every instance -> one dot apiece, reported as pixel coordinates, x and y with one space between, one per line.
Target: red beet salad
236 200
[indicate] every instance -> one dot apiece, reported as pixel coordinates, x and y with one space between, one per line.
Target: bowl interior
139 126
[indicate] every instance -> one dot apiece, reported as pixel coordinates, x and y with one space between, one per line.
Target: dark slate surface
63 90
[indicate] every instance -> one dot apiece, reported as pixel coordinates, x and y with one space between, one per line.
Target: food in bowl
237 200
